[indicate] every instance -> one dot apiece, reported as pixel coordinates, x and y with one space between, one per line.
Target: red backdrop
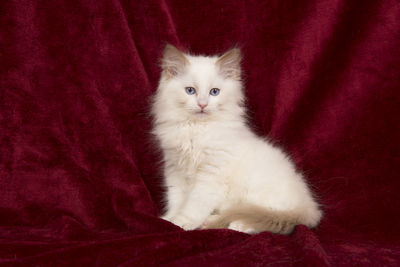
79 179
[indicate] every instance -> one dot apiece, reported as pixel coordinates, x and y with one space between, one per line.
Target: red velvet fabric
79 178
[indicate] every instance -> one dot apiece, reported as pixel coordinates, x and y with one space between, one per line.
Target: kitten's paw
208 223
166 217
241 227
185 222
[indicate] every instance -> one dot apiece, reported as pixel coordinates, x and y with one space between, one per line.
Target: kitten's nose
202 106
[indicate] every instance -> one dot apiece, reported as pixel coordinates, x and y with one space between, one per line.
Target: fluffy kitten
218 173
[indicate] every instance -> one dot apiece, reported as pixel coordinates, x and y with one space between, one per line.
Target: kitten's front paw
241 227
210 221
185 222
166 217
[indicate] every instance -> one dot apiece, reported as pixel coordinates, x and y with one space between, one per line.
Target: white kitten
218 173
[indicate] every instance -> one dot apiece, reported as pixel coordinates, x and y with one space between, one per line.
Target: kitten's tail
255 219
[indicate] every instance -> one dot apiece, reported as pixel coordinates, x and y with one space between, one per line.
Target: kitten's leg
209 220
205 196
175 198
176 194
241 227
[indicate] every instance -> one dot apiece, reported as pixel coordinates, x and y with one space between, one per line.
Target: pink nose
202 106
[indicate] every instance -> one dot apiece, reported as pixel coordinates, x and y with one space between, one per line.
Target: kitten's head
199 87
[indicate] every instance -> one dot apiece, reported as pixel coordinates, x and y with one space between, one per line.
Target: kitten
218 173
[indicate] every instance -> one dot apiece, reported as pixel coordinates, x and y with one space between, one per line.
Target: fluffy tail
256 219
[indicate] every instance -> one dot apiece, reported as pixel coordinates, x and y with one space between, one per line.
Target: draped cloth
80 178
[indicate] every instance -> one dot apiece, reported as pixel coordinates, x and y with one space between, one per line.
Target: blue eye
190 90
214 91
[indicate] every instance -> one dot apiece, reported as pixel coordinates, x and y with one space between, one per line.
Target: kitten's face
201 87
200 90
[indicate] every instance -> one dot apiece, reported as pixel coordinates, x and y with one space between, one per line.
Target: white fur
212 160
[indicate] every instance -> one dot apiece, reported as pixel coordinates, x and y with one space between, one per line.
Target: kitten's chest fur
192 146
188 144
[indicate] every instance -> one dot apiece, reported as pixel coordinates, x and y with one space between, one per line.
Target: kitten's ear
173 61
229 64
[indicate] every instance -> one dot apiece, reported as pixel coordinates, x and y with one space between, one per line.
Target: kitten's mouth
202 112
